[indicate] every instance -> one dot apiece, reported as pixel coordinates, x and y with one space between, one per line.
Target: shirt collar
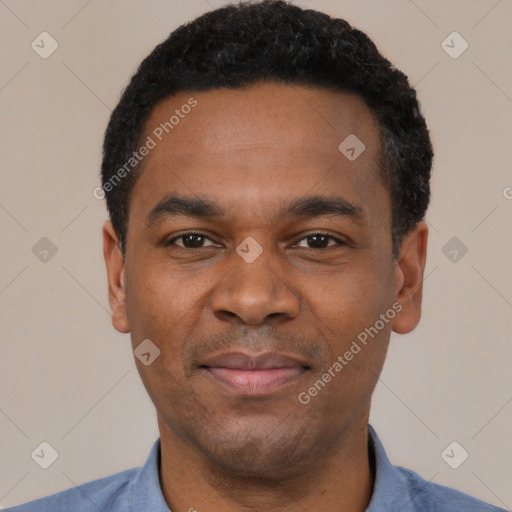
146 492
390 489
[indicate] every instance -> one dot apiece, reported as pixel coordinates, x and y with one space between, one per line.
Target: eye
196 240
320 240
191 240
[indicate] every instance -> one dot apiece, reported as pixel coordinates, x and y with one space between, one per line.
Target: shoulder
431 497
108 493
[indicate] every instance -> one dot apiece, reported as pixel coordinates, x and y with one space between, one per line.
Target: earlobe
409 270
116 277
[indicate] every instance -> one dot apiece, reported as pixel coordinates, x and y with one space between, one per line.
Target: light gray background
68 378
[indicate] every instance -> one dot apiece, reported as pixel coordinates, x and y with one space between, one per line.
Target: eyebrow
308 207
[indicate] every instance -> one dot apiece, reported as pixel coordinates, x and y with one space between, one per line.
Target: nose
253 293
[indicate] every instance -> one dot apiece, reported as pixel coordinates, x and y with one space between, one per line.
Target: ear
116 279
409 270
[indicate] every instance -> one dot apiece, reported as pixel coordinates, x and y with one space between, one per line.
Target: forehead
258 144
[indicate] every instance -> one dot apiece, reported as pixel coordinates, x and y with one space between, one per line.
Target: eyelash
170 242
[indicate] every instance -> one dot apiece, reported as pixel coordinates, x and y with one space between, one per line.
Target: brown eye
189 240
320 241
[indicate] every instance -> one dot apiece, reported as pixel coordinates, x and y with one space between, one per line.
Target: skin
253 150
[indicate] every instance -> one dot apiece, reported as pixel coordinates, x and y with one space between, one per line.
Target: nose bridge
255 288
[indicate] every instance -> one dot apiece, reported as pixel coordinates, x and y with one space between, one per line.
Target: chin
258 451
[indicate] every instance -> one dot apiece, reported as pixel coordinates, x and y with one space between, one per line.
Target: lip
254 375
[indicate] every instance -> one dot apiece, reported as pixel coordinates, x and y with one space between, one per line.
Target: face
257 254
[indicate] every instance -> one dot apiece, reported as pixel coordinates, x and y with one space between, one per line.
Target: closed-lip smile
254 375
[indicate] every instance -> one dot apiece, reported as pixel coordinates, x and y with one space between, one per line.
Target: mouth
254 375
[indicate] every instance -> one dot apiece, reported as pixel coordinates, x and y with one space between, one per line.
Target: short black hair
275 41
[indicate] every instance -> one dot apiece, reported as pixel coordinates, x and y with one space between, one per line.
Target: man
267 175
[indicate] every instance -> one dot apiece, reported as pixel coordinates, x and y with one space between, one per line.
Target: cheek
159 299
353 298
348 311
160 309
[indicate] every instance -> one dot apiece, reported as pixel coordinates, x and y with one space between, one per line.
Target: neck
339 478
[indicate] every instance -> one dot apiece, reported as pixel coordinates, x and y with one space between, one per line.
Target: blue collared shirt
396 489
